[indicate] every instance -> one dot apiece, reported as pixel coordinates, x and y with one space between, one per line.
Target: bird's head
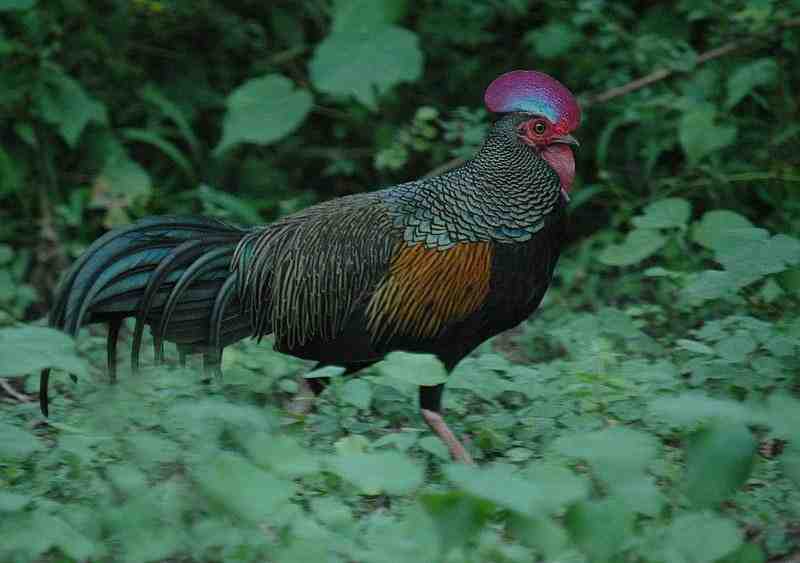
544 112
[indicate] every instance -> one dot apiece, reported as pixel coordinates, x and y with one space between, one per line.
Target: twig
21 397
639 83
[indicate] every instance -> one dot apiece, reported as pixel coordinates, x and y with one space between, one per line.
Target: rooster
435 266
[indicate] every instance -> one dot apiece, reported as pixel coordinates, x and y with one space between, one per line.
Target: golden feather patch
427 289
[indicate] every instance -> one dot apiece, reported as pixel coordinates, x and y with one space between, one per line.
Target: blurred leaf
700 136
29 349
719 460
665 214
718 226
153 139
8 5
263 110
355 16
366 65
700 538
150 93
12 502
389 472
748 77
16 443
66 104
357 392
638 245
245 490
600 527
691 408
281 454
419 369
616 454
552 40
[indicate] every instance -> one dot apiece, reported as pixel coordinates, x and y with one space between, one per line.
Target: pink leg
439 426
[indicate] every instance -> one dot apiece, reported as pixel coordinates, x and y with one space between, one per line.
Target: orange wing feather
427 289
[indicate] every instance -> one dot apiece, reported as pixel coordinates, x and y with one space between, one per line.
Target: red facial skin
539 133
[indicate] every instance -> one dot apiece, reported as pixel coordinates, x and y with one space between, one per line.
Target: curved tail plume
171 273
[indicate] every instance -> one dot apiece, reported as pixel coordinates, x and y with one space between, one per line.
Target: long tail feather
172 273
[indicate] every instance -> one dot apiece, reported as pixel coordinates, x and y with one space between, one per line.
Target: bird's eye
539 127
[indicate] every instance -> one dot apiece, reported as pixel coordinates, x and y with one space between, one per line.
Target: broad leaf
419 369
719 460
638 245
366 64
29 349
389 472
718 226
263 110
353 16
9 5
699 538
66 104
748 77
700 136
668 213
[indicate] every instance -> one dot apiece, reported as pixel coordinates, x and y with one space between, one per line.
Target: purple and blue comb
534 92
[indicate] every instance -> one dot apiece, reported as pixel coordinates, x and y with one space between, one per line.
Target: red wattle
560 158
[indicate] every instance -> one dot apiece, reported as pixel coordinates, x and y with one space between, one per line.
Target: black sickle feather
180 255
191 273
215 321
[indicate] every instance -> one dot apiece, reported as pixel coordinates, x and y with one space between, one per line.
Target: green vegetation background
649 412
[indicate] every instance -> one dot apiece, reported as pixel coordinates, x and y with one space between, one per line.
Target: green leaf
419 369
638 245
263 110
692 408
29 349
748 77
357 392
544 492
552 40
700 538
66 104
121 182
373 473
668 213
367 64
718 226
153 95
616 454
719 460
600 527
166 147
16 443
9 5
354 16
695 346
12 502
750 261
281 454
700 136
241 487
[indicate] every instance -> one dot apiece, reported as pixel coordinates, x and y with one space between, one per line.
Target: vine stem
662 74
639 83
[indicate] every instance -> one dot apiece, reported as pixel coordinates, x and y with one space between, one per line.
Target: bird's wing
428 289
302 277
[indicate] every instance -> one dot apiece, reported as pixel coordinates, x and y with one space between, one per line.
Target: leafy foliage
649 412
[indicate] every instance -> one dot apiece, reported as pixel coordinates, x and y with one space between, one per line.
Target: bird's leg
310 389
430 402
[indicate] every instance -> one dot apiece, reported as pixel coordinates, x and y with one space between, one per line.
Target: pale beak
566 140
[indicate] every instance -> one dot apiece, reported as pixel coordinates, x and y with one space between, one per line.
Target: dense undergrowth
650 411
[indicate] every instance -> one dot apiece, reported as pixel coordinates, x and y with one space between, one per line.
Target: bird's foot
439 426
